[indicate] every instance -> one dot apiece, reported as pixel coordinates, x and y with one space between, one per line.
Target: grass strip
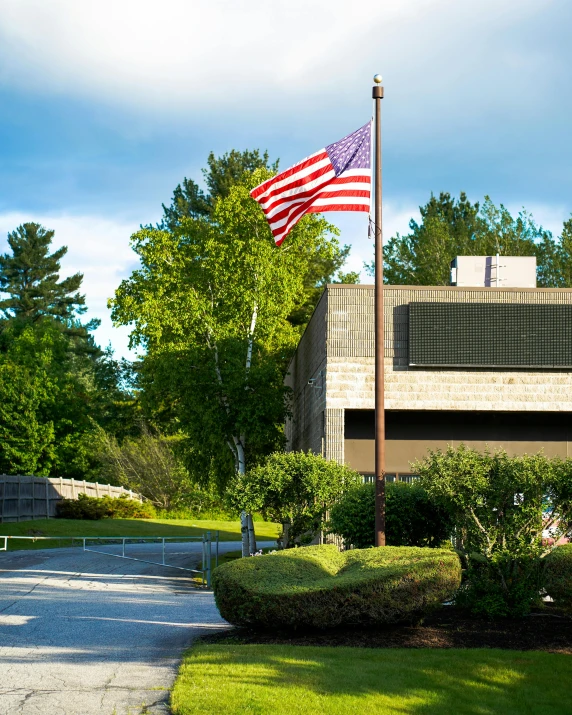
302 680
66 528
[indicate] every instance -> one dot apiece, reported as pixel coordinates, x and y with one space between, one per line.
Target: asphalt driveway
84 633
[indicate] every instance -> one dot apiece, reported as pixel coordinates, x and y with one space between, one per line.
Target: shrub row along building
485 365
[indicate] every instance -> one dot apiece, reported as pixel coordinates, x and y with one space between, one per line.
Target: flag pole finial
377 78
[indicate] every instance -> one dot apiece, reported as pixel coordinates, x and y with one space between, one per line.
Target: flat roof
451 288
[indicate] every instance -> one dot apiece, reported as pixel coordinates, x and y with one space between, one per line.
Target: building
480 366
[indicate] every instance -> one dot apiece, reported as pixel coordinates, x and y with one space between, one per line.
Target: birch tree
209 304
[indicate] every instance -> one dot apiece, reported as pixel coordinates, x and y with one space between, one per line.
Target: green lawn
65 528
303 680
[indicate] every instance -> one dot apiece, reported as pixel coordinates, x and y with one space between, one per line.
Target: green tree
26 442
448 227
190 201
455 227
148 464
295 489
71 384
210 305
555 259
565 255
233 168
323 268
30 277
53 400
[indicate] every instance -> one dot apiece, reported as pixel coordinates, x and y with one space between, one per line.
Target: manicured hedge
94 508
319 587
558 574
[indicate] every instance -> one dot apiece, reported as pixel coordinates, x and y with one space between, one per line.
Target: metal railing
206 551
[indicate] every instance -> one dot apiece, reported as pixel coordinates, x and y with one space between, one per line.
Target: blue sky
105 106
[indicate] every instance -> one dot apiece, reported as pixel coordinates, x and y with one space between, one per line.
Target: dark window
457 425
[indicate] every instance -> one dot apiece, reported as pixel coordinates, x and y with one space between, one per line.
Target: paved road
84 633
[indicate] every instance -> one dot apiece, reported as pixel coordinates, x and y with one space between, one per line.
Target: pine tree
30 277
223 172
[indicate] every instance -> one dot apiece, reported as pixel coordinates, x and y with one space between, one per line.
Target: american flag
337 178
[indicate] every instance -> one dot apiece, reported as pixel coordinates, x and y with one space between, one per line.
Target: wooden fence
23 498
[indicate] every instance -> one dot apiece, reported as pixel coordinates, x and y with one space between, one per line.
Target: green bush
317 586
295 489
500 587
94 508
500 506
558 574
412 518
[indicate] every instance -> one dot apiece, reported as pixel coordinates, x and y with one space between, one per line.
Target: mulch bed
547 630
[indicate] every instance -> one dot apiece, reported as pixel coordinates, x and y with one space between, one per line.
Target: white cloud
98 248
252 53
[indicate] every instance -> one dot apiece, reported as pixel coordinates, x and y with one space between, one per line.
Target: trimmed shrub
412 517
94 508
319 587
558 574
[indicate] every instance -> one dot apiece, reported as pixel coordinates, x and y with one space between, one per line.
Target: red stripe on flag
255 193
283 191
281 199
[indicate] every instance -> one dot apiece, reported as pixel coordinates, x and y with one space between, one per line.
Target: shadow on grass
298 679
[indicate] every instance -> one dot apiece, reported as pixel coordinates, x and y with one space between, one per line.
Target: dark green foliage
51 399
319 587
554 259
449 227
295 489
26 440
94 508
412 518
502 586
323 268
500 506
558 575
452 227
180 389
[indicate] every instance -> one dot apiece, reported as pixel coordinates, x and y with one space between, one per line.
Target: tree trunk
251 535
244 532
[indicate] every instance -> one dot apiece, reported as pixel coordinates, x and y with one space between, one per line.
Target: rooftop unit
494 271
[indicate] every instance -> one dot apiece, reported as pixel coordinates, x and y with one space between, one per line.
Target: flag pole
377 93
